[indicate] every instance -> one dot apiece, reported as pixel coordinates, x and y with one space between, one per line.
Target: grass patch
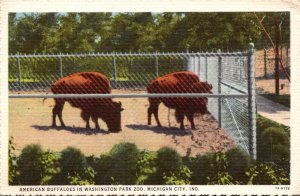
281 99
29 80
263 123
25 80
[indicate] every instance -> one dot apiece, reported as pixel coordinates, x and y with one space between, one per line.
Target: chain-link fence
265 70
266 57
232 102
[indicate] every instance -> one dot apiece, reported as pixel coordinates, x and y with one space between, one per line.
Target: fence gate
232 76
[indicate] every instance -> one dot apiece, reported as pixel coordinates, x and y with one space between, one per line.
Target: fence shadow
161 130
75 130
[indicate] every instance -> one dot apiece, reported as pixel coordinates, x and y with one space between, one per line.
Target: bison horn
120 103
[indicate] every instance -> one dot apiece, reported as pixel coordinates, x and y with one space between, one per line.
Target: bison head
114 120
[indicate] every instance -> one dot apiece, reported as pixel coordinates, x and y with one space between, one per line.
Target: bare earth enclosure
30 123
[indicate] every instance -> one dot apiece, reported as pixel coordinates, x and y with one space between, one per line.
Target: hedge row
273 143
127 165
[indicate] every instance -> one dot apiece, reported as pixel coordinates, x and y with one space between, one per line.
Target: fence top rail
202 54
144 95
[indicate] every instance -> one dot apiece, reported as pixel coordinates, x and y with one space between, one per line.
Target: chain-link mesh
124 71
227 73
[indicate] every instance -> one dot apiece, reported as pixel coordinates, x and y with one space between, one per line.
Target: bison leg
153 109
57 110
190 117
95 120
179 117
86 117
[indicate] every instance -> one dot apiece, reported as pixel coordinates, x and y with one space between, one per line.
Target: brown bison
179 82
88 83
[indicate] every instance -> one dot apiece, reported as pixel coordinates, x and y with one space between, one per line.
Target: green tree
12 28
142 31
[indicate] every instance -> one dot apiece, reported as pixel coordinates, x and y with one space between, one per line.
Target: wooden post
277 43
206 68
265 63
219 89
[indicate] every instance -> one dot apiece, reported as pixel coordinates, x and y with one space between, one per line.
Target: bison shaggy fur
94 108
179 82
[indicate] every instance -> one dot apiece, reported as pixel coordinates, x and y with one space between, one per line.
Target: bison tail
45 99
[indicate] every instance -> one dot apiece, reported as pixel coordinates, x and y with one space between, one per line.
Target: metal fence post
18 70
156 64
251 101
114 68
61 66
130 66
199 65
219 89
194 63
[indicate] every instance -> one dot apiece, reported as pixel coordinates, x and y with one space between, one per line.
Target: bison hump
82 83
179 82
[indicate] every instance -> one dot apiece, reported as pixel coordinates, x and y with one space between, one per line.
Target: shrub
12 163
202 166
30 165
102 167
146 167
274 147
86 177
263 123
168 160
181 177
73 165
170 168
222 177
72 161
238 163
50 166
266 174
275 135
125 158
211 168
281 156
120 166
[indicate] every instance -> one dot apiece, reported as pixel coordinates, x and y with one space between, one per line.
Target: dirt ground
267 85
30 122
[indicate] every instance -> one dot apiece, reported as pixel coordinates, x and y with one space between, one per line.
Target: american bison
88 83
179 82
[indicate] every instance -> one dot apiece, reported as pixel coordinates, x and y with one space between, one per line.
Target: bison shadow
161 130
75 130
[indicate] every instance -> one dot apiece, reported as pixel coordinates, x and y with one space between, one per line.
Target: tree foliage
141 31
